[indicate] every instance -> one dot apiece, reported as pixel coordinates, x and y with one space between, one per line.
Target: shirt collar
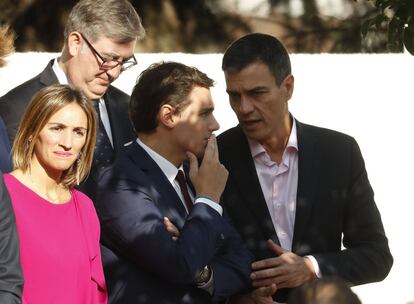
61 76
256 148
169 170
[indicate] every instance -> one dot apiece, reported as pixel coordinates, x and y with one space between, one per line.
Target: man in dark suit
295 192
11 276
165 239
99 42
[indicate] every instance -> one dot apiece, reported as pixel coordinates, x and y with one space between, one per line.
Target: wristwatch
203 275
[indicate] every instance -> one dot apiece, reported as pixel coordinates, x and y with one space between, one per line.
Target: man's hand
210 178
261 295
286 270
171 228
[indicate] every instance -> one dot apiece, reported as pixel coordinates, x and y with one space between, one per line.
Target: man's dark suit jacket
141 261
11 276
14 103
5 161
334 199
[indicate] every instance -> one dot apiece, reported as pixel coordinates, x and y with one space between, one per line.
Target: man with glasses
99 42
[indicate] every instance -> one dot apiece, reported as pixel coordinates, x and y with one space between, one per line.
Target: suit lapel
245 177
121 128
165 196
308 169
47 76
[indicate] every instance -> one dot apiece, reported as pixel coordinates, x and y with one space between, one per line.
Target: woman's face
61 139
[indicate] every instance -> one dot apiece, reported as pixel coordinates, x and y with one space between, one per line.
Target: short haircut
254 48
324 291
43 105
163 83
7 37
114 19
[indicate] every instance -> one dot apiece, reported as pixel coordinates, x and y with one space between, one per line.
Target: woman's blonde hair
43 105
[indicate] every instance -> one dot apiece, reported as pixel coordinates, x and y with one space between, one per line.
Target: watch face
204 275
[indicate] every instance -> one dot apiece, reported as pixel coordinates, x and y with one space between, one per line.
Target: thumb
275 248
266 291
193 164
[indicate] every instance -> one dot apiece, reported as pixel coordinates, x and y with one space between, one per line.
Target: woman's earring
78 163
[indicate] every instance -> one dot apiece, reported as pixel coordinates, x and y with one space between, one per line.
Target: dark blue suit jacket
334 206
5 163
142 263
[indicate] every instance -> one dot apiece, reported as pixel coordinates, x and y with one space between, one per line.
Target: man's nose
114 72
214 124
246 105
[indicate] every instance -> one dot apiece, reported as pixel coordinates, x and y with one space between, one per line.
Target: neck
162 144
276 144
46 183
62 61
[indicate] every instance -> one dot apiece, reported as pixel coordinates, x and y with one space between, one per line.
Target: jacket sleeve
231 266
11 277
132 226
366 257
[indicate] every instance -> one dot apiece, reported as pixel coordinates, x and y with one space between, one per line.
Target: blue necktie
103 150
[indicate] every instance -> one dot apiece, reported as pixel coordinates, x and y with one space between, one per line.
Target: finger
265 273
266 263
263 283
266 291
275 248
215 154
210 150
171 228
193 164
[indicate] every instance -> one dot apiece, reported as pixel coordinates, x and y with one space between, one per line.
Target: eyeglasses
110 63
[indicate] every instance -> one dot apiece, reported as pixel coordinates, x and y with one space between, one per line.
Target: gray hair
114 19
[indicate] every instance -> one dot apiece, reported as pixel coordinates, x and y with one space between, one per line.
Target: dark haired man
149 193
295 192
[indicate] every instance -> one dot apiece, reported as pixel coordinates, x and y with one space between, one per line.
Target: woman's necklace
58 194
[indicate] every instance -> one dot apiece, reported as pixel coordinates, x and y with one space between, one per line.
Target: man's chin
96 94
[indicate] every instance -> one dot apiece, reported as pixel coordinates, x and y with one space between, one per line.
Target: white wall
366 96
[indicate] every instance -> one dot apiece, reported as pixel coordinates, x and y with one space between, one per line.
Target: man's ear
74 43
288 85
166 116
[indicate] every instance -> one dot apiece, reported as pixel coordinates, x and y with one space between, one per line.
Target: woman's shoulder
83 200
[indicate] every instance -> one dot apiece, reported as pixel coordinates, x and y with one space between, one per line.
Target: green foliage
398 17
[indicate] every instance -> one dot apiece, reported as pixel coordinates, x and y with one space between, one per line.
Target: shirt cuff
207 201
315 266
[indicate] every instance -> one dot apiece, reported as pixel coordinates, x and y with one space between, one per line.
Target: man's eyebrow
207 110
